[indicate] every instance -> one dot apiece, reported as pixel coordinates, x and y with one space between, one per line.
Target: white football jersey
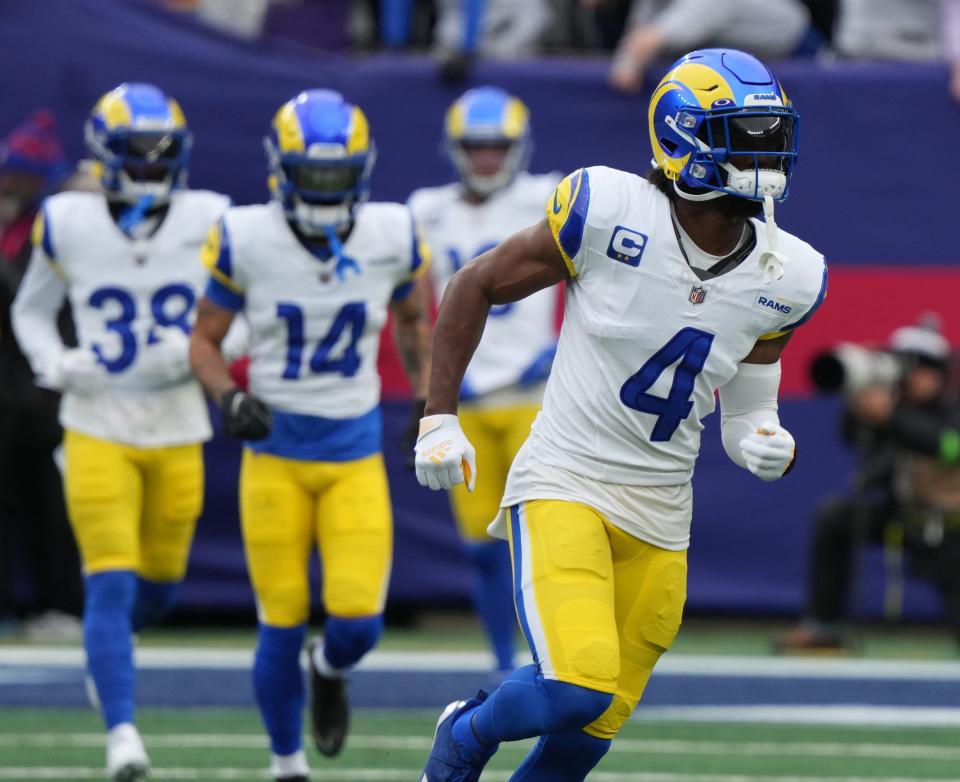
645 342
516 335
121 292
315 324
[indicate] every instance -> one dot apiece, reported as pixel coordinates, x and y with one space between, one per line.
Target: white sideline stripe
620 746
415 660
405 775
242 659
849 715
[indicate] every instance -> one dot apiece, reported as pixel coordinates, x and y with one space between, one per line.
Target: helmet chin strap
709 195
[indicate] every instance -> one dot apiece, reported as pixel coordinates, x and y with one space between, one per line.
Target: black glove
410 434
245 416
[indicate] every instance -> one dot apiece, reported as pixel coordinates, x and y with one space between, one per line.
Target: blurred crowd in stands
632 32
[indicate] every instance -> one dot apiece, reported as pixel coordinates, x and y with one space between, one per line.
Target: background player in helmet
487 136
134 417
674 290
315 271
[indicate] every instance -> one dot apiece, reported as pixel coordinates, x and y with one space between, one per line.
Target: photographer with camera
904 423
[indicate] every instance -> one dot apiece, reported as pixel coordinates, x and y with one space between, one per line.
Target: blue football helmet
721 124
320 156
140 140
488 116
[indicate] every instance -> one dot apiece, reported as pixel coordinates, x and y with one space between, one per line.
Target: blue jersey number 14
352 316
690 347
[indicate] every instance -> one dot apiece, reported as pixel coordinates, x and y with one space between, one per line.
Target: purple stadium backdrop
874 192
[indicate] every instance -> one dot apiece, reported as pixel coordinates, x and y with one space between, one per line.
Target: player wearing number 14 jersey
315 271
675 290
128 259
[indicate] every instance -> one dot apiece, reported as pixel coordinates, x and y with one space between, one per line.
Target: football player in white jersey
674 289
316 271
487 136
134 417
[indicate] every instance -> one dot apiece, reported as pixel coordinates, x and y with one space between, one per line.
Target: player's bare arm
412 334
244 416
206 357
525 263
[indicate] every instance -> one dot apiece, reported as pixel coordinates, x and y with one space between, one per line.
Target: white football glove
768 451
444 456
166 361
77 370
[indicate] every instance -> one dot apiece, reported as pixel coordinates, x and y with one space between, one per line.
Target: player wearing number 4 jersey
675 289
134 416
315 271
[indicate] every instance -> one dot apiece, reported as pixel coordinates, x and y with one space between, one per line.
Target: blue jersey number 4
352 317
690 347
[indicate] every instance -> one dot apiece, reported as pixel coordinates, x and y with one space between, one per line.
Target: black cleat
298 778
329 709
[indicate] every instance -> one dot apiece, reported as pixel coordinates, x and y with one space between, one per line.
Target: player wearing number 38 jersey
128 260
315 271
675 289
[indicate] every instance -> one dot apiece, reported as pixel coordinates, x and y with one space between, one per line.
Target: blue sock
108 602
527 705
278 684
493 597
154 600
345 641
562 757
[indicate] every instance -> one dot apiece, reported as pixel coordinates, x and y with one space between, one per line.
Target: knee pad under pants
287 506
133 508
598 606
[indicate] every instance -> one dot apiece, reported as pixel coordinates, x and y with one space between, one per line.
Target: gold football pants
287 506
133 508
597 605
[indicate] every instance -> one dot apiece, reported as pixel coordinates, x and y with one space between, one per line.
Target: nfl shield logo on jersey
697 294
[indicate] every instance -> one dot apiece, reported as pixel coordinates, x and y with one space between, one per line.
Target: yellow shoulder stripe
567 215
215 255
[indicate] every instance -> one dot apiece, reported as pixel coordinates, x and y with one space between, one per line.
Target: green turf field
201 744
